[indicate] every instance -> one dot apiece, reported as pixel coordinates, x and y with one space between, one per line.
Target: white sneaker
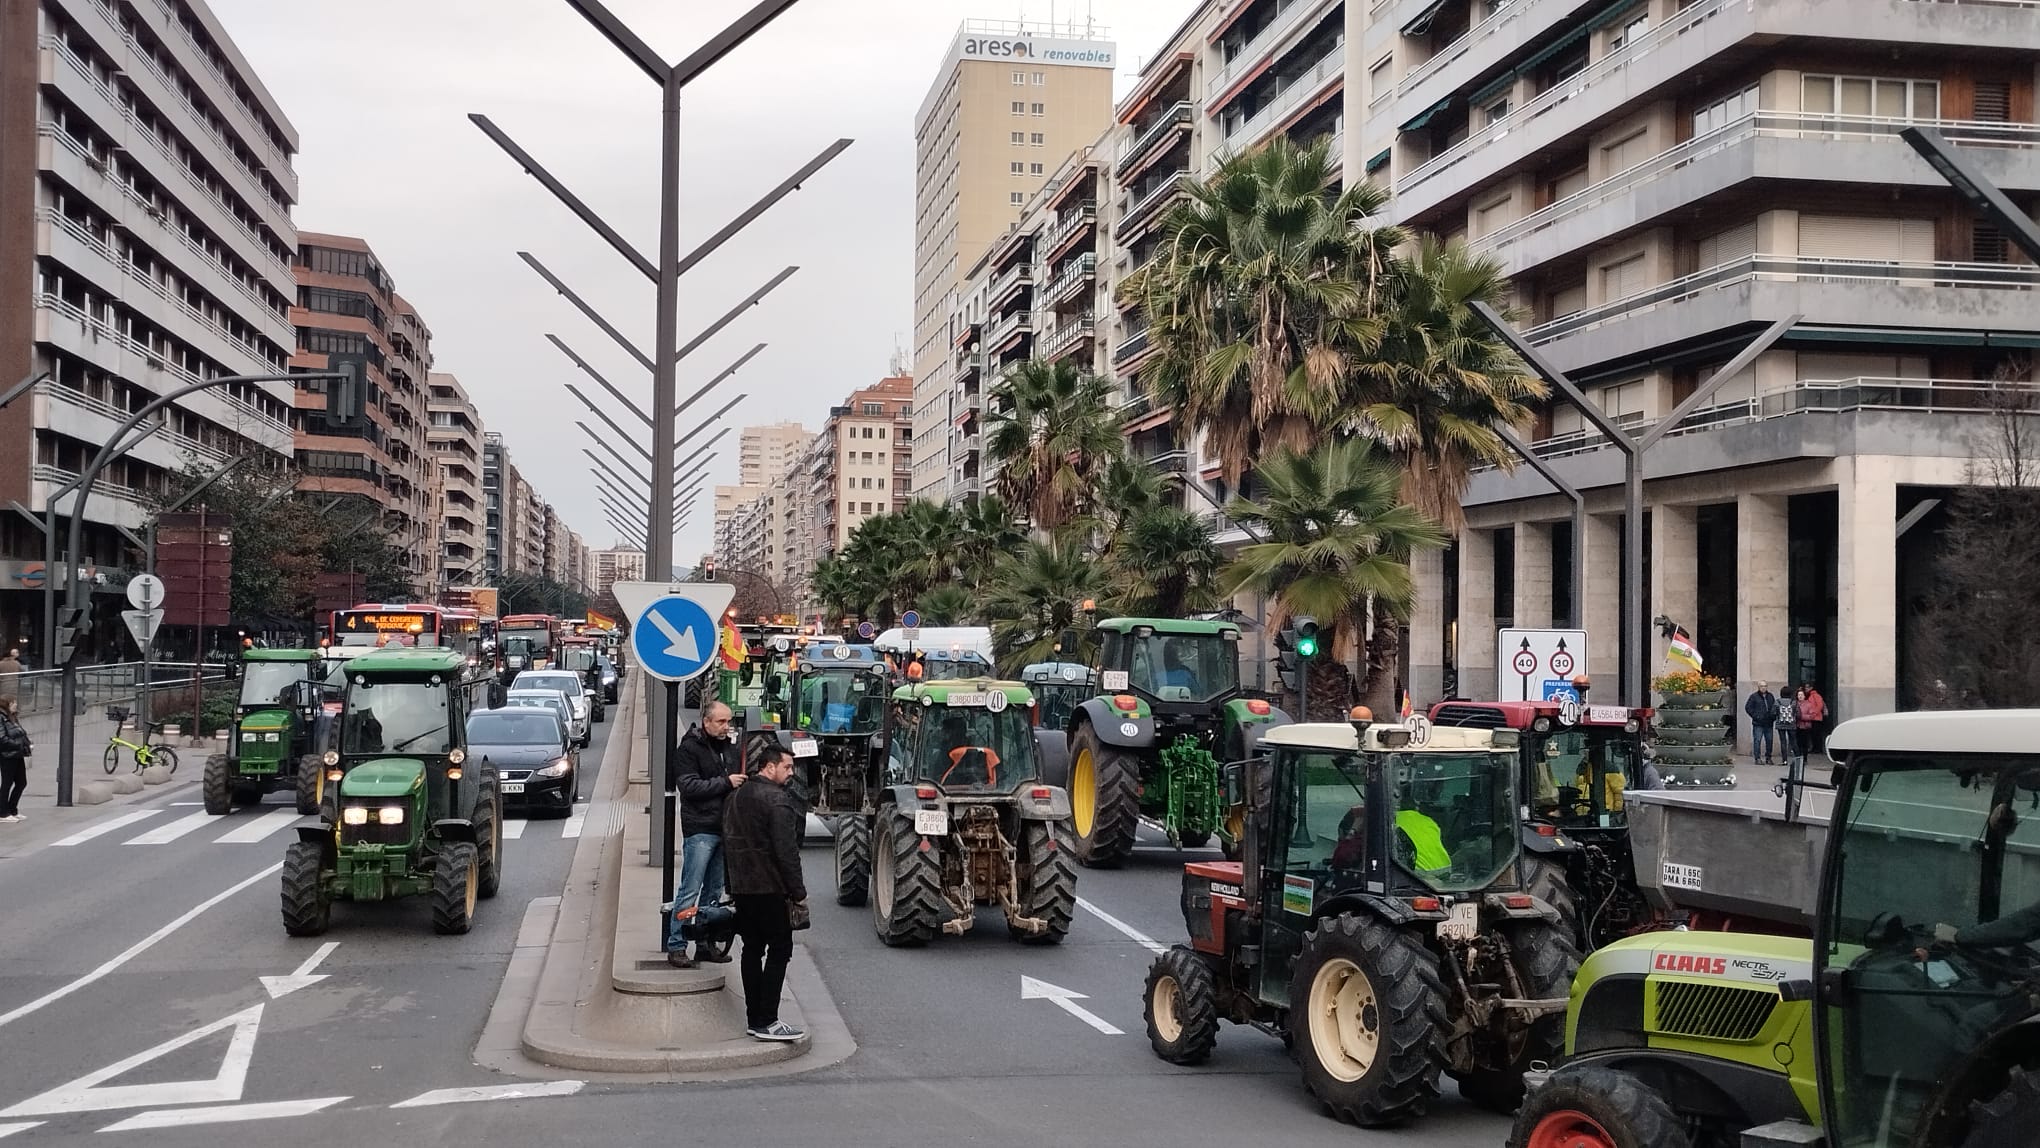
14 817
777 1031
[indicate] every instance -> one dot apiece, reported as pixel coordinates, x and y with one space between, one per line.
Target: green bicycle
145 755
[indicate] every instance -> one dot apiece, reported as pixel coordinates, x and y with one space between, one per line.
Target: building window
1721 113
1019 107
1623 279
1018 199
1036 139
881 484
881 432
1381 79
1019 137
1019 167
867 508
1628 29
1033 169
1039 109
1019 78
1869 96
1497 110
1040 79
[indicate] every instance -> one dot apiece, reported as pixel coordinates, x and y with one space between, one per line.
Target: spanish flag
732 649
1406 708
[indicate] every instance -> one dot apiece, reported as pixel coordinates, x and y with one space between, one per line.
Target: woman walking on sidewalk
14 750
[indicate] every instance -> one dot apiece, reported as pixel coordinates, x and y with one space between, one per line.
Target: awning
1422 22
1935 336
1494 87
1424 117
1379 161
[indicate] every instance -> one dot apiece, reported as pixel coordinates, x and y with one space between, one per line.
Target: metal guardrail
1332 63
36 691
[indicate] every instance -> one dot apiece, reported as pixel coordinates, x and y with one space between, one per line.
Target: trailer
1747 859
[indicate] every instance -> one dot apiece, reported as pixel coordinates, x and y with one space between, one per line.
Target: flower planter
1693 746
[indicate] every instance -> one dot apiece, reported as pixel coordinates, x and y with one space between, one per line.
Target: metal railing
1072 221
1255 50
1082 269
1478 34
1770 125
1177 116
100 330
1134 343
58 393
1017 321
1130 223
1012 277
1061 338
36 690
1332 63
255 115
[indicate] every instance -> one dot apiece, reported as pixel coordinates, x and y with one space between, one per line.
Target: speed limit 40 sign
1539 665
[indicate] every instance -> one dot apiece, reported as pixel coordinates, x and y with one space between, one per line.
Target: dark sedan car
609 678
536 761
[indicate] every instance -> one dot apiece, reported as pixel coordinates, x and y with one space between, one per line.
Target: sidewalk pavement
94 792
606 1000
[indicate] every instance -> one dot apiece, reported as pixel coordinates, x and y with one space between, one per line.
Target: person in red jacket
1812 720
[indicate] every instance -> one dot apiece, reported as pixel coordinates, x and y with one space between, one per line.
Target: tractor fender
1056 808
455 829
1396 913
902 796
1116 728
1535 842
322 836
1251 735
1053 747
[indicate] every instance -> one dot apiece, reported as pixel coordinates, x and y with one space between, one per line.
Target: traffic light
347 395
71 625
1286 663
1306 629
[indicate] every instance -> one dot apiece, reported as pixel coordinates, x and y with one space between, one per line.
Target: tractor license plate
806 747
931 822
513 787
1462 925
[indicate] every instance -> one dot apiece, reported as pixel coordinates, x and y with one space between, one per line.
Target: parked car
534 755
555 702
569 684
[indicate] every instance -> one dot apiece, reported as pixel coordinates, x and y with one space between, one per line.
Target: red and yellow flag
1406 708
732 648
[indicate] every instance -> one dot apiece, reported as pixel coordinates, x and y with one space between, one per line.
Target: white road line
221 1114
138 948
102 828
1133 934
492 1092
579 817
513 828
263 826
164 834
7 1130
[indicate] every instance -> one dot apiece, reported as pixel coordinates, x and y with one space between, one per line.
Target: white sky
379 91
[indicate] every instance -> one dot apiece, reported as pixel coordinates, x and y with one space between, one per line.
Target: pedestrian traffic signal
1306 636
70 628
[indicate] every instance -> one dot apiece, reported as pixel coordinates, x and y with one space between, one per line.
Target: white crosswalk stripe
261 827
164 834
256 826
101 828
572 827
513 828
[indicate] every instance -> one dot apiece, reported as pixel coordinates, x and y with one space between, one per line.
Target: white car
567 682
549 697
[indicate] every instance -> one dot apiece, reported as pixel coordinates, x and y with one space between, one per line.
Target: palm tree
928 558
1262 293
1441 382
1037 595
1339 541
987 535
947 605
879 551
1052 431
839 586
1164 563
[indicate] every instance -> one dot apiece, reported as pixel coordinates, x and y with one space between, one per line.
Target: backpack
1788 711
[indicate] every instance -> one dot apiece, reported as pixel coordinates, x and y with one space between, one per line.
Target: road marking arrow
302 976
1066 1000
683 645
91 1093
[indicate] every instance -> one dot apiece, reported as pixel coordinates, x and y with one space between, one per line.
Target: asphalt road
103 962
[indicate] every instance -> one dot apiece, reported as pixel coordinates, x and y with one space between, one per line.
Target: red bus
402 624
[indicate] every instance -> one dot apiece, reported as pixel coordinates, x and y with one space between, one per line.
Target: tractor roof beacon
1375 920
280 728
1149 746
406 813
964 819
1911 1019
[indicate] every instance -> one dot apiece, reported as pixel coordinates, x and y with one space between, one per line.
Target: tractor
278 734
838 712
578 654
1150 746
1576 763
1058 689
1910 1020
963 819
1377 921
408 814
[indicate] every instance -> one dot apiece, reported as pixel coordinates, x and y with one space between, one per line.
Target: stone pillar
1533 574
1866 575
1675 572
1426 651
1603 606
1476 613
1763 585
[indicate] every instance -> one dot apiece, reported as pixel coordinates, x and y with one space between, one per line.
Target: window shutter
1727 245
1993 101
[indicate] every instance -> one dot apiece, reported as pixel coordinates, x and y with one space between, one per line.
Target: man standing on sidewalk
1762 709
12 683
708 773
761 831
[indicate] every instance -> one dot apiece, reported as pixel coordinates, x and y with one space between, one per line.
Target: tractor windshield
270 683
395 715
955 669
1932 919
840 700
579 659
971 748
1579 775
1454 821
1182 667
1056 702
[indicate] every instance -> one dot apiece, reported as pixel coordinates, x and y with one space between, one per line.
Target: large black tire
306 908
1589 1104
1368 1021
853 859
455 885
217 786
1547 961
1194 838
907 907
1181 1007
1105 799
488 821
2007 1120
311 784
1049 890
1544 878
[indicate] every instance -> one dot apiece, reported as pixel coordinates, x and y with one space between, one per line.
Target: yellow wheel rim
1345 1020
468 898
1236 824
1084 792
1168 1025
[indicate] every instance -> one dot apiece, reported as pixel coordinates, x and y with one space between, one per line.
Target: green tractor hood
384 777
265 719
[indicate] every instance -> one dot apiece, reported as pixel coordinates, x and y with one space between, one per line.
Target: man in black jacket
706 772
761 832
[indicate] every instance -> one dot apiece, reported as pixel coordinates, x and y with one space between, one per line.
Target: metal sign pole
669 763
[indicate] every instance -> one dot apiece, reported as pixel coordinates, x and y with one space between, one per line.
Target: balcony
1147 210
965 333
969 484
1072 280
1260 47
1073 221
1007 283
1068 336
1132 347
1177 116
971 443
1016 323
970 366
1168 461
1481 33
1329 68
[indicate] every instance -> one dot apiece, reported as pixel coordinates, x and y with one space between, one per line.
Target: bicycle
145 754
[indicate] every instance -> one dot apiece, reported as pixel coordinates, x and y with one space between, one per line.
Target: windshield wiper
406 743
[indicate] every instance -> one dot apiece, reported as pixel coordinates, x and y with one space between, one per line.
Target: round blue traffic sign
867 631
910 619
674 639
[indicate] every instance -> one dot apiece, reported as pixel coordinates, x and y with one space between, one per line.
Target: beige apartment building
862 462
1010 102
454 437
763 454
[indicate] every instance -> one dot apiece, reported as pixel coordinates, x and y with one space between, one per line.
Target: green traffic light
1306 646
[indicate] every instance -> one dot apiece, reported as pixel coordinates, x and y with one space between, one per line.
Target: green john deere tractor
835 728
277 736
1910 1020
410 815
1151 745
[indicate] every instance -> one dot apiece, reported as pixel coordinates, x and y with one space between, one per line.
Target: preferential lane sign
674 626
1539 665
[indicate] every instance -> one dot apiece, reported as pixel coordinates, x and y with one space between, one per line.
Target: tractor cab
756 691
961 738
578 654
837 713
955 664
1179 668
1058 689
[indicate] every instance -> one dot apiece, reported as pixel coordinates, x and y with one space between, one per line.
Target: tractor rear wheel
1545 879
455 885
1367 1015
1546 962
1587 1106
853 859
488 822
906 882
1182 1007
2007 1120
307 910
311 784
1050 889
217 786
1104 799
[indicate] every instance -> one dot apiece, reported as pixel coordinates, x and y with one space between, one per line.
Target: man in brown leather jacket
761 854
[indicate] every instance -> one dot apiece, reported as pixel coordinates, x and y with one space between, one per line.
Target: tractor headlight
1631 726
390 815
246 736
269 737
558 768
1541 725
331 757
354 815
455 756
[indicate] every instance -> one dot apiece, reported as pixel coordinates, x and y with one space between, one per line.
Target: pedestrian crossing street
165 824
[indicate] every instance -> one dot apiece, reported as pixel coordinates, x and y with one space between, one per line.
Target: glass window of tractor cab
397 715
1582 775
271 683
906 729
840 700
1176 667
970 747
1453 819
1321 823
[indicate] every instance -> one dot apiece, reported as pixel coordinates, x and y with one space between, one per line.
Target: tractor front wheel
307 909
1182 1007
906 882
311 784
455 885
488 822
1546 963
217 786
1104 799
1367 1015
853 859
1049 892
1587 1106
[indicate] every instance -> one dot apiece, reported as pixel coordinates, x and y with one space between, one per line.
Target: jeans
768 946
1788 743
1760 742
701 879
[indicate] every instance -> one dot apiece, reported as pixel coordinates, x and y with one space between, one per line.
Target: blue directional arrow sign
673 627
